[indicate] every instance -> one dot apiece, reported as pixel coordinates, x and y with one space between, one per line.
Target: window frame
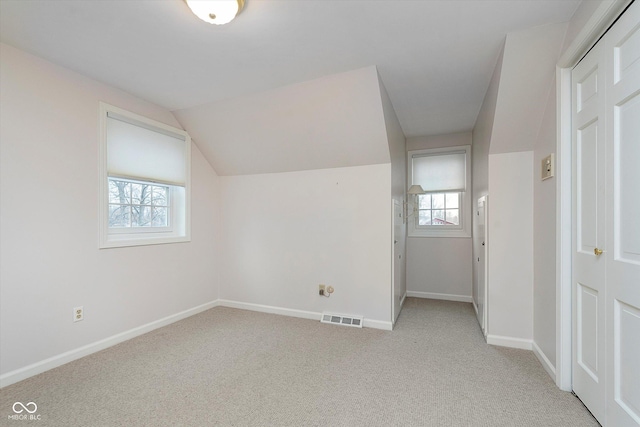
179 229
462 230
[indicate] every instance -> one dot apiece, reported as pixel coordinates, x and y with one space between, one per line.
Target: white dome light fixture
217 12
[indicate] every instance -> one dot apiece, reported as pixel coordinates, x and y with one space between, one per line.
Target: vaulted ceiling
435 58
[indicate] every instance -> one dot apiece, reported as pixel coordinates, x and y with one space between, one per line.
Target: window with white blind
144 180
445 176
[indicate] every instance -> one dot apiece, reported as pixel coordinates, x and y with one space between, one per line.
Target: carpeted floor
232 367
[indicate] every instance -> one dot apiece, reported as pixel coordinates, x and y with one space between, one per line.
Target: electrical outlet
547 169
321 290
78 314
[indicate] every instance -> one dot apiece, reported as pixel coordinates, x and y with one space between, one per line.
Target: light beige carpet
231 367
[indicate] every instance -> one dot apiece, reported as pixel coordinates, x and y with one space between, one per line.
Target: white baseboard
509 342
404 297
270 309
544 361
313 315
69 356
447 297
377 324
20 374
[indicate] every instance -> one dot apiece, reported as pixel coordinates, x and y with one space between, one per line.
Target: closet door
588 280
481 270
606 225
622 247
398 264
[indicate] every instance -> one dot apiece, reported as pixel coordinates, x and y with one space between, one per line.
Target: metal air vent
339 319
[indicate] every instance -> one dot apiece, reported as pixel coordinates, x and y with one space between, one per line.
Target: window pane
119 216
159 196
424 201
424 217
438 217
452 200
160 217
145 196
140 216
119 191
452 217
135 213
137 204
141 194
438 200
135 192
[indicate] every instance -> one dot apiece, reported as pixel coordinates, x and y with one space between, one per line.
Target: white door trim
563 231
602 18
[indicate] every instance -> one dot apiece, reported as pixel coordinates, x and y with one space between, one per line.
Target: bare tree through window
137 204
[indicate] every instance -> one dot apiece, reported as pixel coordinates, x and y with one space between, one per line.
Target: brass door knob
597 251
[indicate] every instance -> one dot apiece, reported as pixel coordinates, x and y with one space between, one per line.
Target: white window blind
437 172
136 152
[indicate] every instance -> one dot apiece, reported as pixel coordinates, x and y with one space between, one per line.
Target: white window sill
439 233
143 239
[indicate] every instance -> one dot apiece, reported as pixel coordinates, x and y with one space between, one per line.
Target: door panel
587 187
588 312
626 346
587 331
627 155
623 230
586 88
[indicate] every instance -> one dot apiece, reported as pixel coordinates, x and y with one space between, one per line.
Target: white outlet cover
76 311
547 167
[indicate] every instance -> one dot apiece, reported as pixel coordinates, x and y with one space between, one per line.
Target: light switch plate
547 167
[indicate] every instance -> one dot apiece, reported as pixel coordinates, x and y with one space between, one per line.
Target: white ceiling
434 57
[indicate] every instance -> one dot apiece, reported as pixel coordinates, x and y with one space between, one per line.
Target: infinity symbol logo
24 407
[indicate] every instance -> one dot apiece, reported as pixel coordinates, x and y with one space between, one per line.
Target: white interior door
622 246
481 261
588 280
606 217
398 262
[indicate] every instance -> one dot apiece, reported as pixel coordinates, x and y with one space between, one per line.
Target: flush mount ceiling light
217 12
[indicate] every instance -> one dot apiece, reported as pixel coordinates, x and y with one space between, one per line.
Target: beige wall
49 222
480 161
439 267
301 229
397 152
544 238
514 127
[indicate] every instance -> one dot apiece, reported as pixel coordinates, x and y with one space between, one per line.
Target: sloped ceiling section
528 70
334 121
